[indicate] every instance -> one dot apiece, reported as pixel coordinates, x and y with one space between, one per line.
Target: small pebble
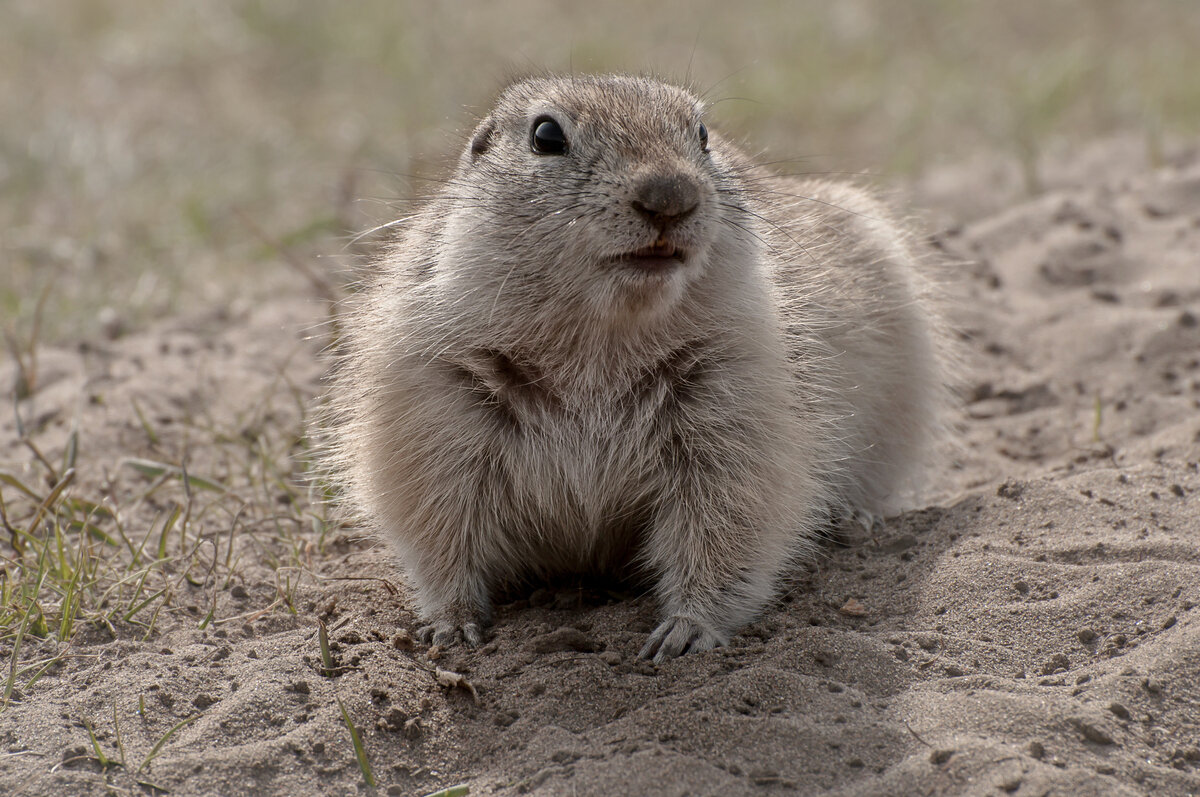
111 323
853 608
1119 710
1091 732
394 719
939 757
1085 634
1058 661
203 700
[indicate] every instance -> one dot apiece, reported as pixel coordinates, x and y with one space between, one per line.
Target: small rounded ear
482 140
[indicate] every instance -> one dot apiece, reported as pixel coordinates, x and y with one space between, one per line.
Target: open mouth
658 256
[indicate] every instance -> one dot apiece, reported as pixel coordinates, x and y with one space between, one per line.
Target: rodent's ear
481 141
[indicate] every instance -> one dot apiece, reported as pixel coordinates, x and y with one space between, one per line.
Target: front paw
446 633
678 635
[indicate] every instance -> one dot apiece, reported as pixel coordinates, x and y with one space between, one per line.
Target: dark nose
665 199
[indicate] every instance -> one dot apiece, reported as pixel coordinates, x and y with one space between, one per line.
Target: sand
1032 631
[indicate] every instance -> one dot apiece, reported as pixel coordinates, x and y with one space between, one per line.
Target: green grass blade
151 435
360 752
451 791
72 450
128 616
154 469
166 529
163 740
49 500
22 629
69 606
120 741
100 756
12 481
326 655
153 620
81 527
212 612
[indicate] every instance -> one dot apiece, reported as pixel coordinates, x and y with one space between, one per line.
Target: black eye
548 137
703 131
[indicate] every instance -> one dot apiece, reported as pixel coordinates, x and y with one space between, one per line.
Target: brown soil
1034 631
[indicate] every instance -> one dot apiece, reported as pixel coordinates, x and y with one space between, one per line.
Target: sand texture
1033 631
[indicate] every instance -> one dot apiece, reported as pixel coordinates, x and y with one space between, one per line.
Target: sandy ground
1033 631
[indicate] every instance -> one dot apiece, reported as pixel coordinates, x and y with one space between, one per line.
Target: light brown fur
515 400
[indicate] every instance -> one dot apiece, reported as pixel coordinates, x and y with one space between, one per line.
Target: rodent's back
858 279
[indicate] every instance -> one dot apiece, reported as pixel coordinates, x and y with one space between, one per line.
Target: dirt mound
1034 630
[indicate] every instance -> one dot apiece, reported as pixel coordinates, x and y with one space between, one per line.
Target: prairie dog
612 342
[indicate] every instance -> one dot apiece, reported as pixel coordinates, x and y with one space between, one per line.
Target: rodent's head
603 191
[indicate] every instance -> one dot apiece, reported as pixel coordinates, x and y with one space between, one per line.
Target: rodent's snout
666 199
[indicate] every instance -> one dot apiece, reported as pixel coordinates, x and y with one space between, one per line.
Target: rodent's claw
868 520
676 636
446 634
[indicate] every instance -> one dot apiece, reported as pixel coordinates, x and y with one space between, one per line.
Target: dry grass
113 554
147 157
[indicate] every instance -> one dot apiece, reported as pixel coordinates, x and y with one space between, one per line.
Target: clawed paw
868 521
447 634
678 635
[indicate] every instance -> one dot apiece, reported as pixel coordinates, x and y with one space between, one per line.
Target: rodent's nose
666 198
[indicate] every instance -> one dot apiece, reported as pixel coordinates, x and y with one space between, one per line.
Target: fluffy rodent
613 343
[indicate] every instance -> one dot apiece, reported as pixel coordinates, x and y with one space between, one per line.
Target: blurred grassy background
155 158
